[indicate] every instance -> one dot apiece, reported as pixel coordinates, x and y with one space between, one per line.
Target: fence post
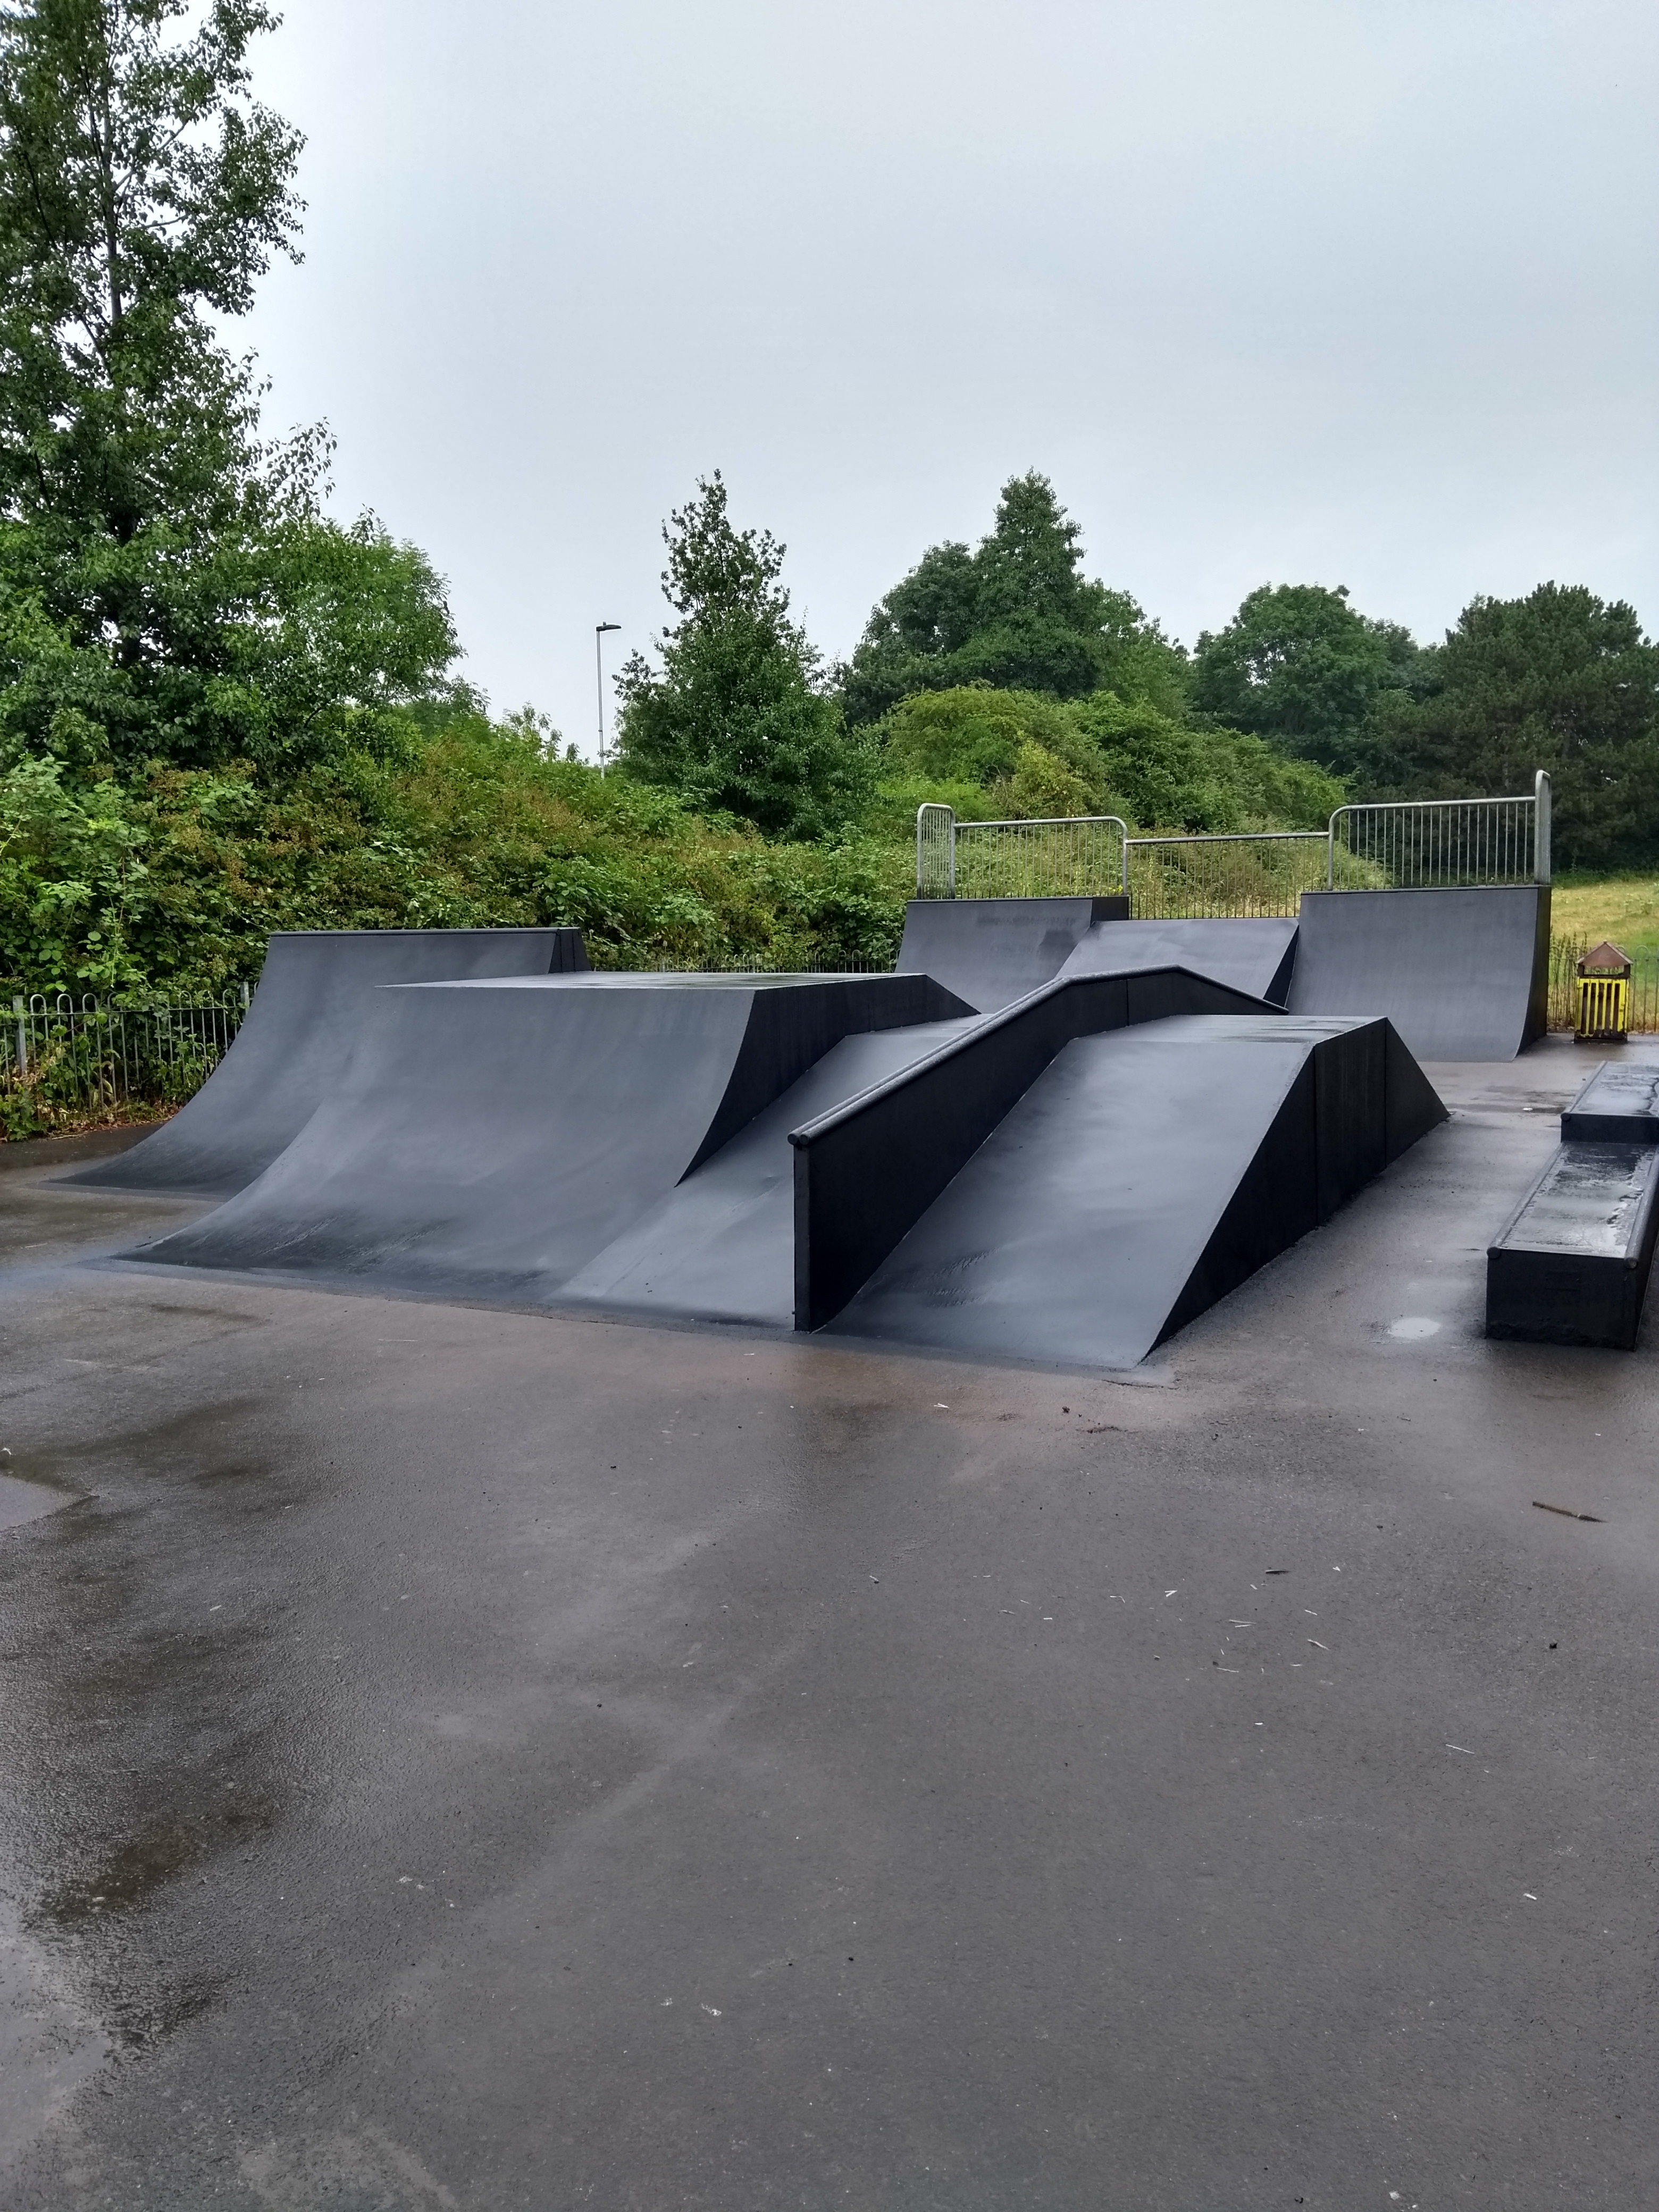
1541 829
21 1013
246 995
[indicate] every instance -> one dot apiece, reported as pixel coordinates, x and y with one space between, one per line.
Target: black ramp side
1145 1174
992 952
1460 973
866 1171
299 1032
720 1246
487 1138
1254 956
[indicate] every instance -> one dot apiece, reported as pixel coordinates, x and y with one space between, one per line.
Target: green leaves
1561 680
1028 757
1299 665
737 720
142 192
1017 614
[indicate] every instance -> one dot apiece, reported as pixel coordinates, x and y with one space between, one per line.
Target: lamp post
600 630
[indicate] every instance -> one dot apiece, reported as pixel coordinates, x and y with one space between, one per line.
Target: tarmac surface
890 1782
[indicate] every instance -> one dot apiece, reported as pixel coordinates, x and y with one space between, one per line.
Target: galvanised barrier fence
66 1061
1393 845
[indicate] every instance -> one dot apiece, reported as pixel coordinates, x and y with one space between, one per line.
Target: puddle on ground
20 1501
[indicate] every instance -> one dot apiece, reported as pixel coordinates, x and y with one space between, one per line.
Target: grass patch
1624 907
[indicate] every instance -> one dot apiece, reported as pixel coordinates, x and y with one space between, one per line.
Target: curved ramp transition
312 1002
488 1139
1462 975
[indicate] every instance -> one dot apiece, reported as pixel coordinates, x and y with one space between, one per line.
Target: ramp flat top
1254 955
1071 1232
1589 1202
992 952
1456 972
295 1039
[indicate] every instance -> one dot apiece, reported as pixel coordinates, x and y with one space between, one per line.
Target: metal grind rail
1385 845
66 1061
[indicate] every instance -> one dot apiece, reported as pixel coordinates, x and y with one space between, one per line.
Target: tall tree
737 718
1017 613
1298 664
1561 680
167 586
143 191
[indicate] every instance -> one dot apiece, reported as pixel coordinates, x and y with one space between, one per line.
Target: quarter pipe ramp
306 1013
489 1138
1462 975
991 951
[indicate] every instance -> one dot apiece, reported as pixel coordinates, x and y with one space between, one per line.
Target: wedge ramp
1144 1175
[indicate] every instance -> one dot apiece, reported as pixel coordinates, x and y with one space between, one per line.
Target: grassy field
1623 908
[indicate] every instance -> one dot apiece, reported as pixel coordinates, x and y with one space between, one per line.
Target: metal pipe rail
1379 845
64 1059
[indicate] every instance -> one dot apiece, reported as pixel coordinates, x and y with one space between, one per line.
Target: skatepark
986 1584
1055 1133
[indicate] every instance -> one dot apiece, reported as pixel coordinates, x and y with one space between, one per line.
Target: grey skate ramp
992 952
1145 1174
487 1138
305 1020
721 1245
1462 975
1256 956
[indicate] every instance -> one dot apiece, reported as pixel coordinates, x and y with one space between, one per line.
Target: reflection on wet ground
461 1759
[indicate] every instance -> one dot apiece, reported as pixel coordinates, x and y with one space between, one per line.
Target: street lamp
600 630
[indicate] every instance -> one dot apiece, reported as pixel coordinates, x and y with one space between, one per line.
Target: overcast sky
1349 291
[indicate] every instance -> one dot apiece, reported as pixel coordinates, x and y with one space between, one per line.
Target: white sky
1344 291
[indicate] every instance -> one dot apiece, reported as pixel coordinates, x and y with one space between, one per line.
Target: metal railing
1442 844
1390 845
1051 857
1234 874
65 1062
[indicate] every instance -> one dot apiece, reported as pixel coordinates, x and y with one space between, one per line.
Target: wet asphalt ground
455 1759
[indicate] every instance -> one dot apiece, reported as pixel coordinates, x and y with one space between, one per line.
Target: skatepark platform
759 1149
312 997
